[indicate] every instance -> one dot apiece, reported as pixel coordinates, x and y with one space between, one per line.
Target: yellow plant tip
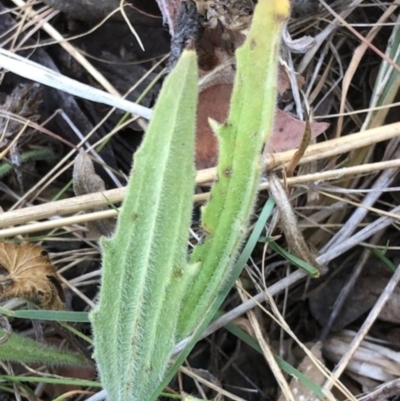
278 9
282 8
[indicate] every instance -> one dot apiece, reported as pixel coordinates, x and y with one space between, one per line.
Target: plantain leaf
225 217
144 264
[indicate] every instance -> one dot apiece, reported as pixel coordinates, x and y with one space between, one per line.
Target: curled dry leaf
288 222
26 272
300 45
86 181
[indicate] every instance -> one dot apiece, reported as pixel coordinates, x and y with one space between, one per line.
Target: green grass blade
387 82
25 350
300 263
51 380
46 315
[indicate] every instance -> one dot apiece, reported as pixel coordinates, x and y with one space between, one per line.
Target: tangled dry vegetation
340 63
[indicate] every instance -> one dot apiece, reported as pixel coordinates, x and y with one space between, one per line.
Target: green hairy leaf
144 264
226 216
23 349
151 297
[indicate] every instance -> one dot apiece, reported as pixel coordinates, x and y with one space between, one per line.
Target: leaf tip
215 126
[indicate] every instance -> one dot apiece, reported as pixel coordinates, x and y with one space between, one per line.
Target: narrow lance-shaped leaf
225 217
135 321
25 350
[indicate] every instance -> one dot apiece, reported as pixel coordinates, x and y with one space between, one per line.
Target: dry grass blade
267 352
69 48
212 386
308 368
356 59
31 70
313 152
359 36
364 329
279 319
113 196
383 391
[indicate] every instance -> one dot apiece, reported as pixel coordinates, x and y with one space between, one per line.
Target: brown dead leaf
26 272
362 297
301 150
284 84
214 103
288 132
309 369
86 181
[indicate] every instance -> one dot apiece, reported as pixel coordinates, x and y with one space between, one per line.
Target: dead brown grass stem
337 146
360 205
245 306
356 59
276 315
323 36
64 163
77 55
70 49
85 202
360 37
198 378
269 356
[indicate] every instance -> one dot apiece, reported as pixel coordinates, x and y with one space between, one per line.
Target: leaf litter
318 54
